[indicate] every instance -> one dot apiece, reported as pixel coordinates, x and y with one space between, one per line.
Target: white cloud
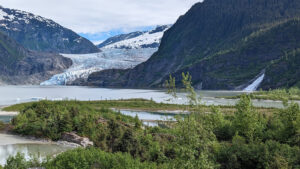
92 16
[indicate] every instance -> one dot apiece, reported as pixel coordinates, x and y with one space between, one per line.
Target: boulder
102 121
74 138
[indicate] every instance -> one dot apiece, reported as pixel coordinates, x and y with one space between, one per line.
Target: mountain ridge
118 38
40 34
138 39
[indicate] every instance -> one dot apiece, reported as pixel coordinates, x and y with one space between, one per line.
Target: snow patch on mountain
145 39
135 40
41 34
17 15
4 15
85 64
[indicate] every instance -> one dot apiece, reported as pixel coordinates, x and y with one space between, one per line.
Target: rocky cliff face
21 66
223 44
41 34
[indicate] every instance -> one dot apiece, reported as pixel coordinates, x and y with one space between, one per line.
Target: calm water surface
10 145
18 94
5 118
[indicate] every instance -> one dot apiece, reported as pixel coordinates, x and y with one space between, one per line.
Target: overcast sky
105 17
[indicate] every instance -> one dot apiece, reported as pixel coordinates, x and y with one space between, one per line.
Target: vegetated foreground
246 138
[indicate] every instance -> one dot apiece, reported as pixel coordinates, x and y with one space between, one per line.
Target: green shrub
95 158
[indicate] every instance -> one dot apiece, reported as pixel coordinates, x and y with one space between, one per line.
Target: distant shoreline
7 113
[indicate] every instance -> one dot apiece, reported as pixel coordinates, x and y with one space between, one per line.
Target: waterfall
253 86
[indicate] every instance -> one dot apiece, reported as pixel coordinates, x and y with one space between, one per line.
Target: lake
146 116
18 94
11 144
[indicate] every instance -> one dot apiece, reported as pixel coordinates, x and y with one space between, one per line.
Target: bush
95 158
51 119
258 155
244 139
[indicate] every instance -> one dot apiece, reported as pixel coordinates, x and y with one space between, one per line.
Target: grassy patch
138 105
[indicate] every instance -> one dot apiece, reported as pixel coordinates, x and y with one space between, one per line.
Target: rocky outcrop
41 34
74 138
21 66
102 121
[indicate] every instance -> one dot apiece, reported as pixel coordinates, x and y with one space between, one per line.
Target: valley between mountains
218 88
230 49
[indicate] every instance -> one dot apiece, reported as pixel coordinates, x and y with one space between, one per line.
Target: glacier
122 54
253 86
85 64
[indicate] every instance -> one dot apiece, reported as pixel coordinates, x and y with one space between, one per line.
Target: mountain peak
41 34
136 40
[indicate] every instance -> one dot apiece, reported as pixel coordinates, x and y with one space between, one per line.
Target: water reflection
6 119
39 151
150 118
19 94
142 115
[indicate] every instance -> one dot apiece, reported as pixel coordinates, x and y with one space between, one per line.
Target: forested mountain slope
284 72
223 44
